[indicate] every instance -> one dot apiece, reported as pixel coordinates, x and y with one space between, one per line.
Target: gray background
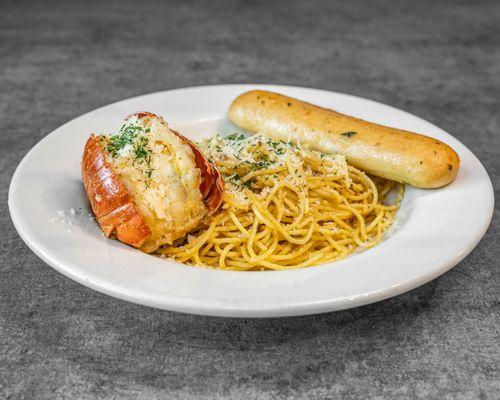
438 60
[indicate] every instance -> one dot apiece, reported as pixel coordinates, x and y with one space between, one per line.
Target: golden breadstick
391 153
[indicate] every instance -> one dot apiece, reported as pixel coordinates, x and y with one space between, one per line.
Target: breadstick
390 153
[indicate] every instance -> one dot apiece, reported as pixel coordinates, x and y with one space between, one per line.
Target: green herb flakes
236 137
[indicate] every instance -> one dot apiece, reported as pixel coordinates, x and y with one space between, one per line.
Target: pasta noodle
286 207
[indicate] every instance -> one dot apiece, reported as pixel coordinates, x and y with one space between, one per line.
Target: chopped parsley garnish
254 165
261 164
348 134
236 136
249 183
130 135
141 154
278 148
126 136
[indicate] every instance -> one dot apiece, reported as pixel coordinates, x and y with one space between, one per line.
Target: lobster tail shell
112 204
212 184
110 200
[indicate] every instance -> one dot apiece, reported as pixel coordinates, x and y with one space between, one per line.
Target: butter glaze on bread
390 153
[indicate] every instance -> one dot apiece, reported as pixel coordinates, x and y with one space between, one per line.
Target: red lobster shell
114 207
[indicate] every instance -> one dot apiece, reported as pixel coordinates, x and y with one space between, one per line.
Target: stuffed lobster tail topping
147 184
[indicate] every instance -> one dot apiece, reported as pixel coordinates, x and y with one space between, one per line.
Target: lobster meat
149 185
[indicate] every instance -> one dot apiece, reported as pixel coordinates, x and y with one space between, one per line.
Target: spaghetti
286 207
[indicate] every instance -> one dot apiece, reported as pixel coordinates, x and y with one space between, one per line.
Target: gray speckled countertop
438 60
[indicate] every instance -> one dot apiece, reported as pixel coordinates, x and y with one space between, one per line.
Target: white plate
435 229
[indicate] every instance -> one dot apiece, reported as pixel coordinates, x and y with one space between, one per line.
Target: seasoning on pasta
286 207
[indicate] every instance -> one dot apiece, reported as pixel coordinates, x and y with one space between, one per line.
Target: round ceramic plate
434 230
